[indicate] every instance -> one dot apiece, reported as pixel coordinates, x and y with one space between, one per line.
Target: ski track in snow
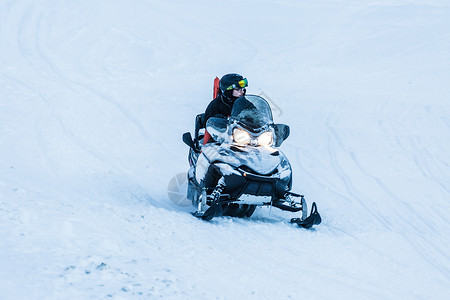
96 97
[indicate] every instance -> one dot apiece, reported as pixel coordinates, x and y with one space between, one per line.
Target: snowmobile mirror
282 132
217 128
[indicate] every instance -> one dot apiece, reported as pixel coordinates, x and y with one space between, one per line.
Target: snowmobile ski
215 210
313 219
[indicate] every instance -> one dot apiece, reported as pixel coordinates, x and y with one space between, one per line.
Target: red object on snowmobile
216 87
215 93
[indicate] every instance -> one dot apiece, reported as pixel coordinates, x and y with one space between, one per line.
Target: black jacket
220 107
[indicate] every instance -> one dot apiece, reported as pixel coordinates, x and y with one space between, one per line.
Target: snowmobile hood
262 160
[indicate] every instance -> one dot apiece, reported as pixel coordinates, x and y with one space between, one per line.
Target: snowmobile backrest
282 132
199 124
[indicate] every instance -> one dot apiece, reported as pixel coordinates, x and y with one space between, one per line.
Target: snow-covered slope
94 97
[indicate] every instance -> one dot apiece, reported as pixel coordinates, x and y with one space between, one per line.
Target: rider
232 86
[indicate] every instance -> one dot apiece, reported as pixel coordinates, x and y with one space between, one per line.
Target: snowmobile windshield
252 112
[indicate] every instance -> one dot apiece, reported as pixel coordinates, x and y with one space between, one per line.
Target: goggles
239 85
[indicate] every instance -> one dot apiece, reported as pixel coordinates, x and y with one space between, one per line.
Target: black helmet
232 81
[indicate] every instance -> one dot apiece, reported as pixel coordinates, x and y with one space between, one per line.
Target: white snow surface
94 98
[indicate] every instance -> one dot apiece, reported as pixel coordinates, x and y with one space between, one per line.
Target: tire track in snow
63 79
428 174
332 150
424 168
58 75
58 78
376 252
412 220
433 258
325 185
225 37
280 231
419 242
67 131
415 217
387 191
422 159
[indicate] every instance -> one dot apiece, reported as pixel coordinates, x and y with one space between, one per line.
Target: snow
95 96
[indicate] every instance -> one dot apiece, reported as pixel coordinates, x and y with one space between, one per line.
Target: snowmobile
242 168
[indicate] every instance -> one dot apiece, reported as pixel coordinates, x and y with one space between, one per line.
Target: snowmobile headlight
241 136
266 139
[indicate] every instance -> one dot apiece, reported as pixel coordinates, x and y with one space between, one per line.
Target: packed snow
94 98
